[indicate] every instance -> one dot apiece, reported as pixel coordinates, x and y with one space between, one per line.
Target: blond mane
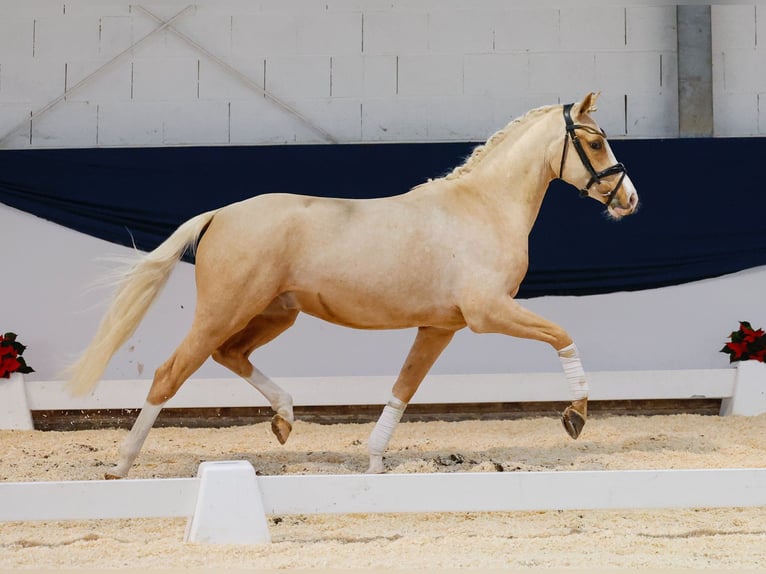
495 139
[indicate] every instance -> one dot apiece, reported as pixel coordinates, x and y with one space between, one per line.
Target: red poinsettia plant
11 360
747 344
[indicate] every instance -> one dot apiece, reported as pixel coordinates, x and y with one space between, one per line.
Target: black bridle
595 176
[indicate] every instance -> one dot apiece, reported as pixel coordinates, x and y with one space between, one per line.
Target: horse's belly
373 312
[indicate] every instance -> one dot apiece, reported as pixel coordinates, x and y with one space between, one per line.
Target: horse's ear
588 103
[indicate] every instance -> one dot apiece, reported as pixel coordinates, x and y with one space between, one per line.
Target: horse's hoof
573 422
110 476
281 428
376 466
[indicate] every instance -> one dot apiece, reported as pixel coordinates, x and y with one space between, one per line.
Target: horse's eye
595 145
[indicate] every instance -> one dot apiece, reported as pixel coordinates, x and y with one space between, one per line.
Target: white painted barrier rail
742 390
228 503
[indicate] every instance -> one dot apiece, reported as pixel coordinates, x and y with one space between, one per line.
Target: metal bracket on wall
46 108
242 77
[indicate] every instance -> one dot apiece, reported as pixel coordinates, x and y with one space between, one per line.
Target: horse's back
333 257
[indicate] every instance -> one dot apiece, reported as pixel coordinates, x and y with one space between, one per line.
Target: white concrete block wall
302 77
113 84
527 30
390 56
210 127
364 70
144 129
66 37
72 124
739 62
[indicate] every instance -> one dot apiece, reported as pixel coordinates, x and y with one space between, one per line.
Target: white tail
136 291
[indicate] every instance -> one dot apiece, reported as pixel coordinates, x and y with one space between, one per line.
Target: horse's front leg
503 314
428 345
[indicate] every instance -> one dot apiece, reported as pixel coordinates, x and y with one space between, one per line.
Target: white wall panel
217 83
741 70
460 119
527 29
651 28
115 35
29 80
558 71
759 13
67 37
75 122
298 77
341 116
653 115
631 71
356 76
265 33
586 27
430 75
33 8
738 65
496 74
210 29
734 29
16 36
461 31
380 76
736 115
347 75
163 79
262 121
91 8
329 33
211 125
111 84
400 119
130 124
14 124
389 32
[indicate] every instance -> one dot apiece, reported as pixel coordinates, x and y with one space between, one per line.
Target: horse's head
593 168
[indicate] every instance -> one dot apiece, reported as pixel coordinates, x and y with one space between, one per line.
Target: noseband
595 176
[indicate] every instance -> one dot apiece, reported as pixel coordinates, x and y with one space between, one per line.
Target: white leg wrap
280 400
132 444
384 428
570 361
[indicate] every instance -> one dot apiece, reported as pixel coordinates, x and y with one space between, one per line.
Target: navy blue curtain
702 212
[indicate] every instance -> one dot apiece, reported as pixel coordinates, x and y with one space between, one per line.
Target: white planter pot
14 409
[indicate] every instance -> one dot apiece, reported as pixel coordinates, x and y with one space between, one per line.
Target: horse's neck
513 179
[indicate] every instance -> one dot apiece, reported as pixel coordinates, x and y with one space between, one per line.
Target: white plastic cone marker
229 507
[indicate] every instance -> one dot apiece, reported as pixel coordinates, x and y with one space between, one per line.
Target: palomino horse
448 254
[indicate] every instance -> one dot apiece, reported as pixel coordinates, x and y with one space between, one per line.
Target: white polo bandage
280 400
384 428
570 361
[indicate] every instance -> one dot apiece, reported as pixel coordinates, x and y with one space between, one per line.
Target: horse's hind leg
187 358
428 345
234 354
